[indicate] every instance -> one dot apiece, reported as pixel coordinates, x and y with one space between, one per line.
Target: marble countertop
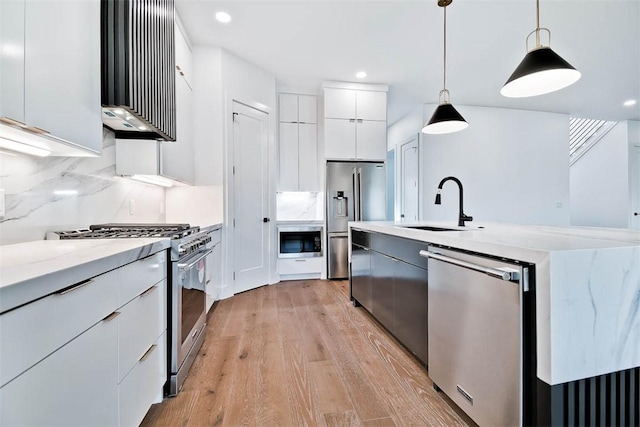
31 270
587 289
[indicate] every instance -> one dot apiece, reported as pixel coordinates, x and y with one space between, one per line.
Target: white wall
93 194
600 182
514 166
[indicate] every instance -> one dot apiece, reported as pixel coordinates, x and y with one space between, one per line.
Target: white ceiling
399 43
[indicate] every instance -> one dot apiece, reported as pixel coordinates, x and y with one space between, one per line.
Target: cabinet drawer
30 333
140 324
143 385
74 386
300 265
141 275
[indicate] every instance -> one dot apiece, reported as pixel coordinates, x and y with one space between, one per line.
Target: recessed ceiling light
142 127
118 111
361 74
629 102
223 17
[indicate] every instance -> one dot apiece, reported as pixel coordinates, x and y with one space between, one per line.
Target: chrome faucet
461 216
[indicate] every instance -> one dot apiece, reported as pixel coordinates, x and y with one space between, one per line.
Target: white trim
355 86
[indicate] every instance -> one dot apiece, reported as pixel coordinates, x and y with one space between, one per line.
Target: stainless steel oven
299 241
188 306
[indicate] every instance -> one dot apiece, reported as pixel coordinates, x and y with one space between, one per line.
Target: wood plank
344 419
332 397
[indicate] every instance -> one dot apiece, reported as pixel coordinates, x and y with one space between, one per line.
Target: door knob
266 219
636 213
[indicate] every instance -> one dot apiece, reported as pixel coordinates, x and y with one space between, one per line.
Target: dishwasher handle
506 275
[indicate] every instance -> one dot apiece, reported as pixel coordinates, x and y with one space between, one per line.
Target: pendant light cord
444 61
537 23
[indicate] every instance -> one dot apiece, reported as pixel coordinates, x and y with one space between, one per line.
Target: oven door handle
188 266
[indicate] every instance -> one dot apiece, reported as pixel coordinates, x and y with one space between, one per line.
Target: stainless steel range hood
138 60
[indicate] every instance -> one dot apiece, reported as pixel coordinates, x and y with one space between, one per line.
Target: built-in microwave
299 241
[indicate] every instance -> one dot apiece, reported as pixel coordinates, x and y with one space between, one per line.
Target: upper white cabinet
355 124
50 74
298 143
177 160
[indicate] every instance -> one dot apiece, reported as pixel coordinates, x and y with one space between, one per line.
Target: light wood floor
299 354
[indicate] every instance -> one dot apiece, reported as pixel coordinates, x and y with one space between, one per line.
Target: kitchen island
586 310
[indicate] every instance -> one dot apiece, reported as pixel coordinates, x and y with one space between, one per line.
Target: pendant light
446 118
541 71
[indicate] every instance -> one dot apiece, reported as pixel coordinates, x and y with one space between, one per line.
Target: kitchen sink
430 228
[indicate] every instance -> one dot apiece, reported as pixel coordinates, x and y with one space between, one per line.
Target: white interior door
635 187
250 197
409 174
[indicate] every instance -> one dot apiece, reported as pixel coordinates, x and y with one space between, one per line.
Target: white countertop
31 270
587 289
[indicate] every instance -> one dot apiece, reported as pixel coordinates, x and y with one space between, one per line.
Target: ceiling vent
138 60
584 134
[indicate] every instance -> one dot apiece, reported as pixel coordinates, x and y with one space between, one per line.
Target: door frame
228 258
634 185
398 177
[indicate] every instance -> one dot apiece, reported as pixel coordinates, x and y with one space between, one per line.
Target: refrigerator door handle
359 194
356 195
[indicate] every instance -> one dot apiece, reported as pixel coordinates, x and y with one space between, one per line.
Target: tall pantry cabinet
298 143
355 121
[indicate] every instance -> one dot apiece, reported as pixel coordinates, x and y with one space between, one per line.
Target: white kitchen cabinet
50 71
177 157
183 55
213 282
355 121
75 386
298 143
84 340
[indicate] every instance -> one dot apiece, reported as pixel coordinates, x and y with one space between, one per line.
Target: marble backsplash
65 193
302 206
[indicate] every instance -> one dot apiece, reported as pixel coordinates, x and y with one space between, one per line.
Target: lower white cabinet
213 270
299 268
75 386
143 384
87 358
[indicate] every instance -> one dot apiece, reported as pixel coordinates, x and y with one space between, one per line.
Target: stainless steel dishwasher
475 338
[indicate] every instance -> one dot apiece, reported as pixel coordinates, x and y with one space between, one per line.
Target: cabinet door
339 104
288 157
75 386
411 305
371 140
361 275
382 282
307 157
288 108
339 139
12 62
178 156
307 109
62 70
371 105
184 61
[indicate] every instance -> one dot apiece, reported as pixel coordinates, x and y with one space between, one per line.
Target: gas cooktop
124 230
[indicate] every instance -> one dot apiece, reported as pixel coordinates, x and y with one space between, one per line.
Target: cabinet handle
146 355
36 130
12 122
178 68
352 120
359 120
75 287
112 316
301 260
182 73
148 291
207 282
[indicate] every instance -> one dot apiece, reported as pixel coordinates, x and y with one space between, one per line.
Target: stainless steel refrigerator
356 191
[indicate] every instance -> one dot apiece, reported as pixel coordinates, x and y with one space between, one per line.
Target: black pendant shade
445 119
541 71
